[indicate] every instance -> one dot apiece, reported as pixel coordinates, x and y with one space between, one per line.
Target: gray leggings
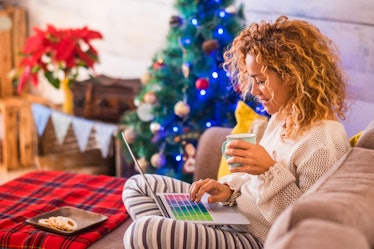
151 230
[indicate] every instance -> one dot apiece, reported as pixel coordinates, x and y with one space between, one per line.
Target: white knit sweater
298 165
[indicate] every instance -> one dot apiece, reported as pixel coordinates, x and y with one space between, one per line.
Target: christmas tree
185 90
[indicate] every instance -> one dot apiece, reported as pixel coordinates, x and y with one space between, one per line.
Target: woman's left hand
254 159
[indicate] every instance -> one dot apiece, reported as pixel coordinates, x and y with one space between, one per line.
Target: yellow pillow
355 139
245 116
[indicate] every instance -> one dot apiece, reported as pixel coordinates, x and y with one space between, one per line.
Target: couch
336 213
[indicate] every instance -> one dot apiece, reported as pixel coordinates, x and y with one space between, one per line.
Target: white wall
135 29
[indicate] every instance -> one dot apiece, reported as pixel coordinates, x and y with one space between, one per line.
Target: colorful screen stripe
185 209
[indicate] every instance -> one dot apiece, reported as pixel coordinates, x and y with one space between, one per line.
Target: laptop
178 206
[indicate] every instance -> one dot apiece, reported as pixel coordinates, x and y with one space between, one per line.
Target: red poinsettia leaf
22 81
92 51
70 62
32 43
34 79
64 49
88 34
26 61
52 31
85 58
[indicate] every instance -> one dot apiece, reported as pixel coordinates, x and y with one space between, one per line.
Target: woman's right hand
218 192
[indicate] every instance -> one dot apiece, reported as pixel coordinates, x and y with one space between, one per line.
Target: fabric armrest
208 154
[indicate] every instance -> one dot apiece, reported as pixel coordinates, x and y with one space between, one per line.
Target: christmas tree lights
185 90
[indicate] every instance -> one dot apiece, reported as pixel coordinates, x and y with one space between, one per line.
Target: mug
248 137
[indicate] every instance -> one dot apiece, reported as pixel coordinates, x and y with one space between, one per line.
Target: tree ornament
202 84
144 112
150 98
186 69
158 160
155 127
157 65
143 163
189 159
232 9
210 46
175 21
130 135
137 102
146 78
181 109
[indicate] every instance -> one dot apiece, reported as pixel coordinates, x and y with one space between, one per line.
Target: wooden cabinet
104 98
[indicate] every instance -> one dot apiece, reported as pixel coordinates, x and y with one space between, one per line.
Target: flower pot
67 106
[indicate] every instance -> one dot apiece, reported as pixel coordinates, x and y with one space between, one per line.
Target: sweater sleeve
278 188
235 181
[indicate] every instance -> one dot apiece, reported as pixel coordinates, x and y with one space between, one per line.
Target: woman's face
273 94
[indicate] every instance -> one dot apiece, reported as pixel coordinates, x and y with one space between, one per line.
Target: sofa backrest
367 138
344 196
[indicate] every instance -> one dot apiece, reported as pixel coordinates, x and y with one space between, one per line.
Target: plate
84 219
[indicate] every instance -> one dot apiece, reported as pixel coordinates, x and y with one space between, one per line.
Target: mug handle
223 149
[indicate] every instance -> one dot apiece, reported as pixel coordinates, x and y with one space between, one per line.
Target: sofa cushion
344 195
366 140
330 235
208 154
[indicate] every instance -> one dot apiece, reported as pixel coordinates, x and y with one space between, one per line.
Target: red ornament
158 65
202 84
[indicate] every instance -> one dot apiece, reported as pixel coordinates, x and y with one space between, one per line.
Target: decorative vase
67 106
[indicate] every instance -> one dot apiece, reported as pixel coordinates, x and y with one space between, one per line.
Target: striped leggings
151 230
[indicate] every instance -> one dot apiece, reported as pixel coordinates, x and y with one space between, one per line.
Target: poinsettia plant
58 53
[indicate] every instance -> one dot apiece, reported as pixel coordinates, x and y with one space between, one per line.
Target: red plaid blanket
42 191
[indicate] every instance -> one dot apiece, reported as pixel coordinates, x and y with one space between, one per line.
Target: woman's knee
141 233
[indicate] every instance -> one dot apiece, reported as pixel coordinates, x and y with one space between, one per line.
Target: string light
215 75
178 158
208 124
194 21
186 41
202 92
175 129
222 13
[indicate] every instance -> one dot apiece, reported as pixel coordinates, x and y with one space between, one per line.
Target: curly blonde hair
296 51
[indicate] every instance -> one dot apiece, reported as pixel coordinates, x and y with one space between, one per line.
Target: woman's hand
254 159
218 192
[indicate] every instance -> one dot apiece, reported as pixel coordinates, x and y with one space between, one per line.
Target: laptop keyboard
185 209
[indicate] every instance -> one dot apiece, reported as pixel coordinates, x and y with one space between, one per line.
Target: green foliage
193 50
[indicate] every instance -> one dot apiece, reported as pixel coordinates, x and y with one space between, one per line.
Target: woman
293 70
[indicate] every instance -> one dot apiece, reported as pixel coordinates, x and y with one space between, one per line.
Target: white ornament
158 160
155 127
181 109
143 164
144 112
130 135
231 9
186 70
137 102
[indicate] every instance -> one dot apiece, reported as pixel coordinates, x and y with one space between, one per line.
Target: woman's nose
255 89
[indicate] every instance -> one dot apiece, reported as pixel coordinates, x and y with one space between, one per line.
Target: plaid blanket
42 191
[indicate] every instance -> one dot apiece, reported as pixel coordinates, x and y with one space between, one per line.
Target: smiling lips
264 101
